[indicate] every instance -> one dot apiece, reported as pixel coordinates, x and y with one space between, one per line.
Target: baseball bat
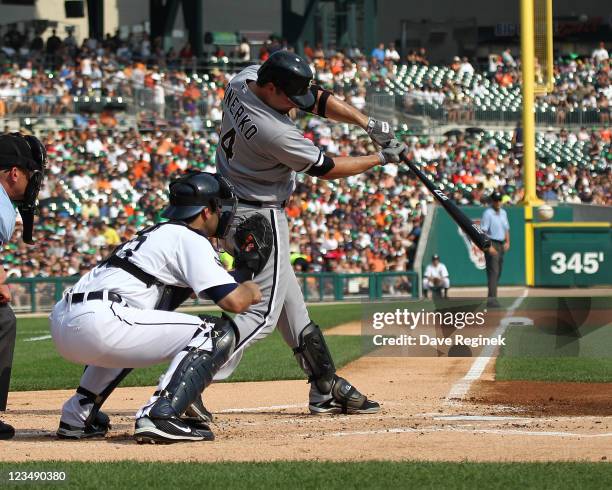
470 228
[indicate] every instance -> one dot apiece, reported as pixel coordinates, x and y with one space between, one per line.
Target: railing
403 108
38 294
470 114
188 65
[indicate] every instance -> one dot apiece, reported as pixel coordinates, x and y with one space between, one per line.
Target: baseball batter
111 320
259 153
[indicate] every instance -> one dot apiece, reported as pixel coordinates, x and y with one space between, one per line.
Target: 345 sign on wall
579 263
573 256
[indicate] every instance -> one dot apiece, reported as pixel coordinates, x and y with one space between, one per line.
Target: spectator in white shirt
391 53
244 50
600 54
436 277
466 67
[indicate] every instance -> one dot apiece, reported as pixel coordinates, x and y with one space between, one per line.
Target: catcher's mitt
253 242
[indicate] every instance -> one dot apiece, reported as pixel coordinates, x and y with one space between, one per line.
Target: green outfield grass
38 366
342 476
561 352
579 370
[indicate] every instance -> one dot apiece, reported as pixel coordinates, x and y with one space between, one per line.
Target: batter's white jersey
173 253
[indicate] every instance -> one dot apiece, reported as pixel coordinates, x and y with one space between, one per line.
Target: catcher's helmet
290 73
193 192
29 154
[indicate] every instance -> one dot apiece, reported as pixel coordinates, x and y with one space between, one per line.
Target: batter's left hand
381 132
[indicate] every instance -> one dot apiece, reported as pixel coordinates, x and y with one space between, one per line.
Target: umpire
495 224
22 165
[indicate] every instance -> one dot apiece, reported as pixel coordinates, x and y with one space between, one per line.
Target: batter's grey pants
494 268
8 331
282 301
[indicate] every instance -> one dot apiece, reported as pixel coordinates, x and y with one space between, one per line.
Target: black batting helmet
290 73
193 192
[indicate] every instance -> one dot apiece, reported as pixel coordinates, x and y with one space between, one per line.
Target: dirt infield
433 409
541 399
265 421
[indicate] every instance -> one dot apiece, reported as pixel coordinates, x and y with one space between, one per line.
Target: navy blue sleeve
217 293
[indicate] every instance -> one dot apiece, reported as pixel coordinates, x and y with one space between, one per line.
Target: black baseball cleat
197 413
332 406
99 428
169 430
346 399
6 431
493 303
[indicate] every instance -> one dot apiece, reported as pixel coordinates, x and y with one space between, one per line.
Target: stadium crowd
103 185
105 181
45 77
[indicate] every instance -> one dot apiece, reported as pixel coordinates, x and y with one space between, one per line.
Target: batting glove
381 132
392 152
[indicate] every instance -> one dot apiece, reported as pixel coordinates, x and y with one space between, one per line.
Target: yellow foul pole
528 75
529 168
550 83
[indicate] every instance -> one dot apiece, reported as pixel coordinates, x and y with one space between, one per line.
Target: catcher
111 319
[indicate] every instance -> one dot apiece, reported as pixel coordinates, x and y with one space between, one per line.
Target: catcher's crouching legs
329 393
160 422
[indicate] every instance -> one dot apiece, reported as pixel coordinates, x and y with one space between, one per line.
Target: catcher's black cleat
98 429
197 413
169 430
6 431
345 398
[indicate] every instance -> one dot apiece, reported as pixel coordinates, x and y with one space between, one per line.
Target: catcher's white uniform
433 272
128 332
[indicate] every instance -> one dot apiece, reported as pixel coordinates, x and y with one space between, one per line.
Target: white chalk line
482 418
507 432
261 409
36 339
461 387
284 407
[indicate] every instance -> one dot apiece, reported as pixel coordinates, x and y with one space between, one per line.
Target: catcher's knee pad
195 372
315 358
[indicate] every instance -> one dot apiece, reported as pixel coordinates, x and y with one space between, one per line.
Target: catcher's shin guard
316 360
195 372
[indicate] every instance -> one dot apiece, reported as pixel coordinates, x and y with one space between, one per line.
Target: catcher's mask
28 153
195 191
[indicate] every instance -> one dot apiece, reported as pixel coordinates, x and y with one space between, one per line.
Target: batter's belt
260 204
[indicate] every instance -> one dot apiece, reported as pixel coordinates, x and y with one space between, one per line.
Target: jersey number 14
227 143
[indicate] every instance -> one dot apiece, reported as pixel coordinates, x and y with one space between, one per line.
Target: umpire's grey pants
494 268
282 302
8 331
